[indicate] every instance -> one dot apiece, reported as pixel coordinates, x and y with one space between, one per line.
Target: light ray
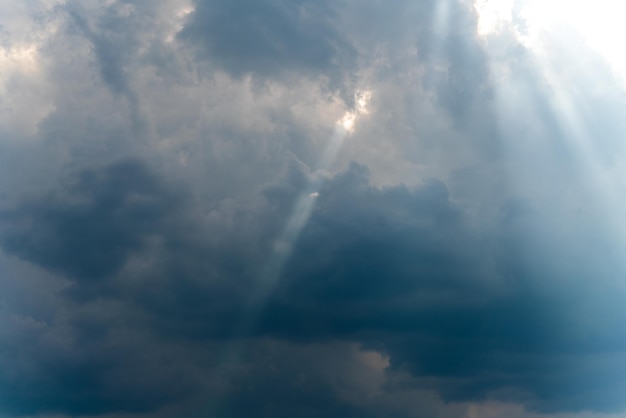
599 23
305 203
441 19
284 244
303 207
566 43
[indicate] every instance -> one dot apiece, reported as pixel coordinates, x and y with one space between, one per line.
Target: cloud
404 271
462 256
88 232
398 270
270 37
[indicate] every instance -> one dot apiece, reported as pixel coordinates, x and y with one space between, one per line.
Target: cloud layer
460 256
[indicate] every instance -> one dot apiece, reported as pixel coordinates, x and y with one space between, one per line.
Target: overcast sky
312 208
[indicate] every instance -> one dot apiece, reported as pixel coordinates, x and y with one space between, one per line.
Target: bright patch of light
349 119
25 95
362 99
571 42
178 22
184 11
301 212
493 14
23 104
599 23
19 59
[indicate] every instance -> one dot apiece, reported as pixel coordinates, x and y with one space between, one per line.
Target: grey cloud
488 277
88 231
439 38
112 44
49 368
398 270
270 37
109 56
123 37
472 311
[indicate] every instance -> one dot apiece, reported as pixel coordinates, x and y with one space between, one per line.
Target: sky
312 208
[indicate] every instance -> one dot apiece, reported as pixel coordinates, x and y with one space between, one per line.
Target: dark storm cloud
280 389
91 352
131 287
48 368
396 269
270 37
82 385
87 231
129 347
403 270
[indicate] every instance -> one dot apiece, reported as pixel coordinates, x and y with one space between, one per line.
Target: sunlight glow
303 208
570 44
24 101
177 22
349 119
493 14
19 59
599 23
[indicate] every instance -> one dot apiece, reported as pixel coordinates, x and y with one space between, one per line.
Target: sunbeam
277 209
305 202
562 43
598 23
284 244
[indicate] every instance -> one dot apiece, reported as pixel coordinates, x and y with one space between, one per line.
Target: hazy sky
312 208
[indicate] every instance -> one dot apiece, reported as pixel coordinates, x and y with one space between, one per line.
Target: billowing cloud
270 38
189 226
